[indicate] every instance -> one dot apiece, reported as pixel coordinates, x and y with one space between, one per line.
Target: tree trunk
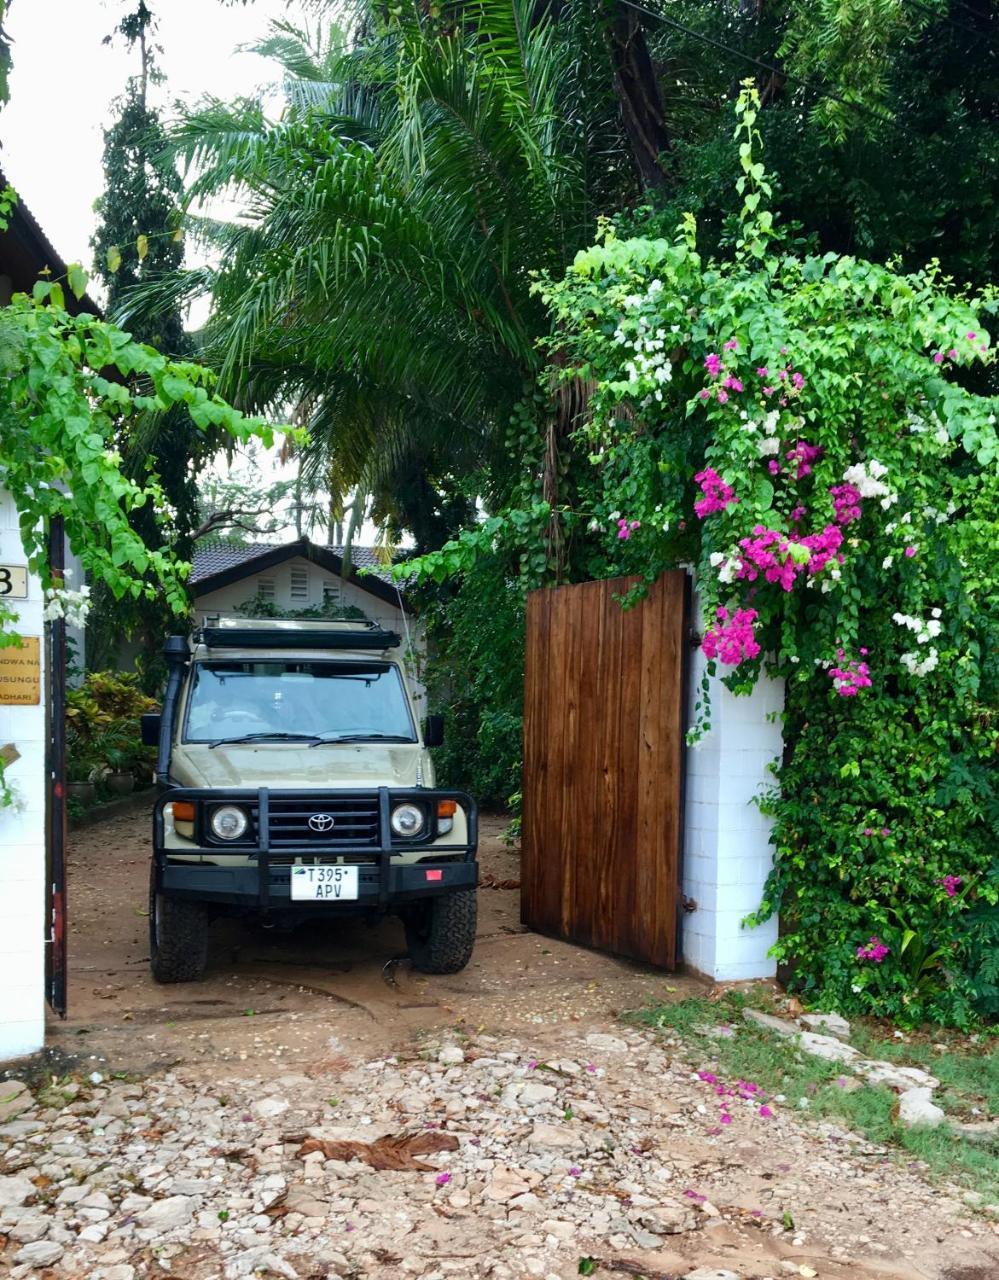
637 89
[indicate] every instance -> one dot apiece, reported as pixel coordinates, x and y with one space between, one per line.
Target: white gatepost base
22 836
727 853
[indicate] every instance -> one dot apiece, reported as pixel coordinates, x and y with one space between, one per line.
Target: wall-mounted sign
13 582
21 674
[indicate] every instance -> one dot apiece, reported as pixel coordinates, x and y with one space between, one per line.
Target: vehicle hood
279 766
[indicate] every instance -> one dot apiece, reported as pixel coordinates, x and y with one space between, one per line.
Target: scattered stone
30 1228
15 1097
711 1273
984 1131
261 1261
668 1219
827 1047
608 1044
916 1107
15 1191
451 1056
121 1271
42 1253
505 1184
546 1136
270 1108
164 1215
830 1024
899 1078
768 1022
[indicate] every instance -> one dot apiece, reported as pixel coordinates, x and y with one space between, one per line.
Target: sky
65 80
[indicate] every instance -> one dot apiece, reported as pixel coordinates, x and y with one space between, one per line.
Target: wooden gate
603 755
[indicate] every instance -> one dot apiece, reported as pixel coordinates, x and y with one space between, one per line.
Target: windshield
265 698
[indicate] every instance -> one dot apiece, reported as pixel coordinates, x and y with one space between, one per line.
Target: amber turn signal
183 811
446 808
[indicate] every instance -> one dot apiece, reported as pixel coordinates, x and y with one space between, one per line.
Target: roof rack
272 634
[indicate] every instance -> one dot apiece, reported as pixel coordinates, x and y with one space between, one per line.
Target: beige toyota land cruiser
296 783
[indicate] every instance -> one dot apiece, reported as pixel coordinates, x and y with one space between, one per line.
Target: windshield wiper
267 737
364 737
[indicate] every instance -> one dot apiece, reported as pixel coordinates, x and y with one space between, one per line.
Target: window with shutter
299 584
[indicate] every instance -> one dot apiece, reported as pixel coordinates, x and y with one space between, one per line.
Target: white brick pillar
727 852
22 831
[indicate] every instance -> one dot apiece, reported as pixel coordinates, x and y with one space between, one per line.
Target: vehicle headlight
229 823
407 820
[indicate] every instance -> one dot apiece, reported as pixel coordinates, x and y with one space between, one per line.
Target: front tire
178 937
440 932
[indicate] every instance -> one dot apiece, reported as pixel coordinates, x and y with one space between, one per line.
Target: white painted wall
727 852
229 599
22 838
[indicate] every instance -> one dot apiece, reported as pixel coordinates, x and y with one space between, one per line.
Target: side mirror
150 722
433 731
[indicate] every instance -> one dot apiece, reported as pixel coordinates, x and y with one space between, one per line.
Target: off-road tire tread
451 940
182 954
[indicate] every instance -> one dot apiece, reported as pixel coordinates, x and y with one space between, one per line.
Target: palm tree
379 275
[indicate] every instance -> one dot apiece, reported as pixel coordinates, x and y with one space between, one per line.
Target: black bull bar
440 869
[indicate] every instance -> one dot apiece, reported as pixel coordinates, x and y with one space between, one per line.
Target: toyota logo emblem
321 822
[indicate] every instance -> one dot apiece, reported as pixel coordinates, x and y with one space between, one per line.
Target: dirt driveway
314 1110
344 980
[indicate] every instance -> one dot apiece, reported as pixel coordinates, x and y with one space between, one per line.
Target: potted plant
117 755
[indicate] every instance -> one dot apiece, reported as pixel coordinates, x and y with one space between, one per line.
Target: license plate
323 883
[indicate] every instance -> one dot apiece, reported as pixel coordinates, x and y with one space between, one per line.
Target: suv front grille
354 823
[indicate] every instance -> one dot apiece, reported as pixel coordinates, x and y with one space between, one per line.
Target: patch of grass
714 1034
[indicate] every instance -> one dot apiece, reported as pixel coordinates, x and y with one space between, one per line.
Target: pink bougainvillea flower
768 391
951 884
910 552
885 831
625 528
846 503
765 1112
717 495
971 335
733 384
850 677
708 1077
875 950
532 1064
732 344
695 1195
705 394
952 354
713 363
442 1179
574 1172
773 466
938 357
724 1118
733 640
591 1068
798 379
763 371
722 396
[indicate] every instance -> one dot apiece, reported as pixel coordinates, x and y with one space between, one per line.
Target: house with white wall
286 579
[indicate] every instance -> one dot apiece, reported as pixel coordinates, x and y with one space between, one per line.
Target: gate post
22 826
727 853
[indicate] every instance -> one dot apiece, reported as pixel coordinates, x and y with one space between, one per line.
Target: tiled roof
215 555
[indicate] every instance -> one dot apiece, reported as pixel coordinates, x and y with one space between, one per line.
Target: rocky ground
502 1124
463 1157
